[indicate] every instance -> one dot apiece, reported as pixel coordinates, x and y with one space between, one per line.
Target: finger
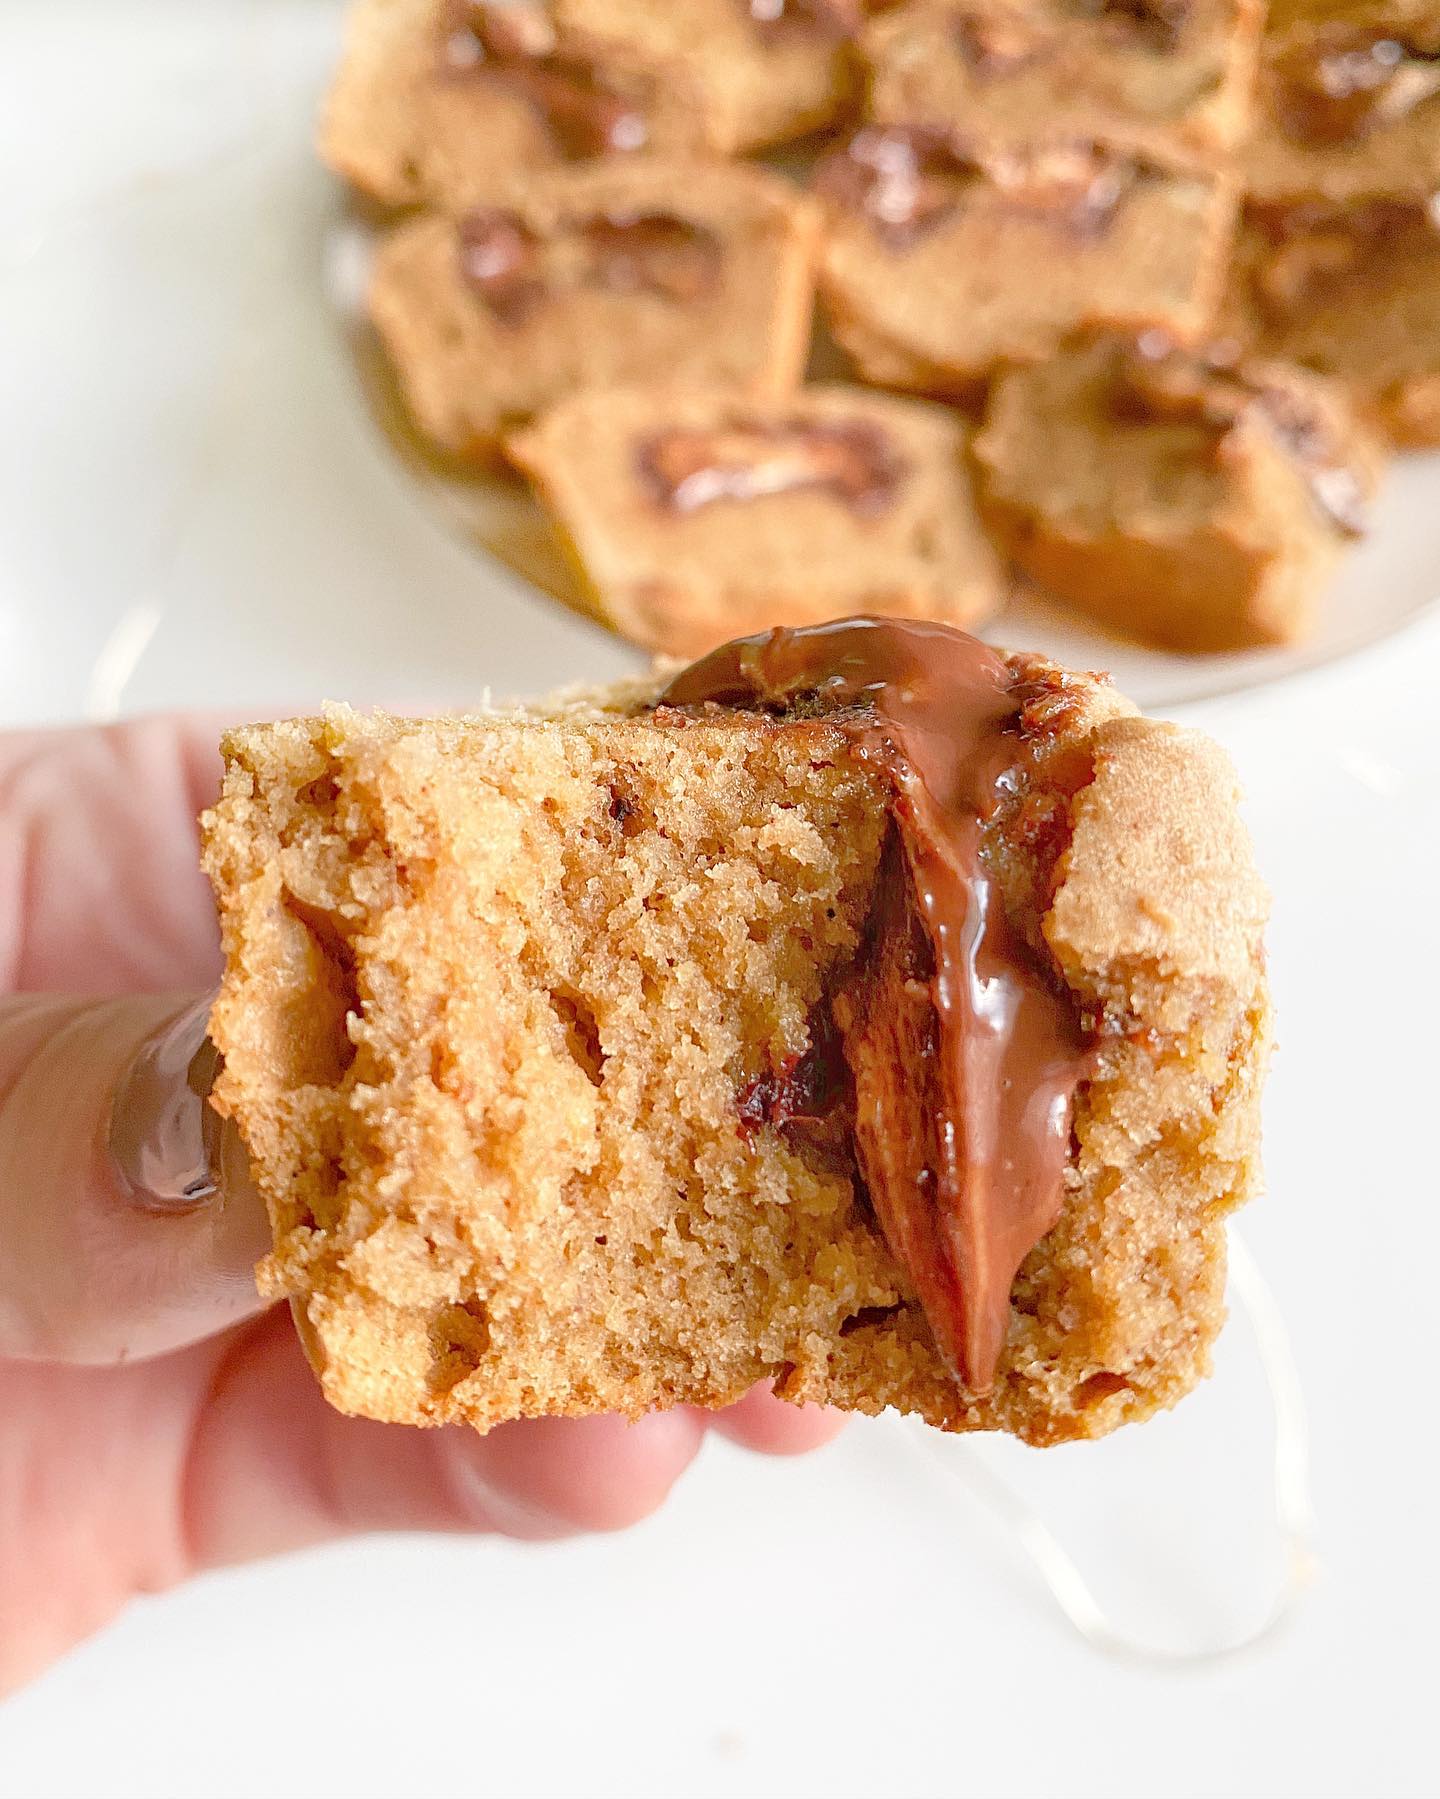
95 1265
271 1467
100 884
773 1426
242 1458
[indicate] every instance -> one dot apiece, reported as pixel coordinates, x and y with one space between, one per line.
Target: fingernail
164 1136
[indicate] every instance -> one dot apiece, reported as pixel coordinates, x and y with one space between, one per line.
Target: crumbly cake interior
497 993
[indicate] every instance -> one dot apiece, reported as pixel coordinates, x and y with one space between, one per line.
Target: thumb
128 1224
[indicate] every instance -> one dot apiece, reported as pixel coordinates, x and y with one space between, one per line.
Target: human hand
156 1418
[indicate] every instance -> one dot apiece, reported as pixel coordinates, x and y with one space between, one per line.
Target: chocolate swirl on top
964 1053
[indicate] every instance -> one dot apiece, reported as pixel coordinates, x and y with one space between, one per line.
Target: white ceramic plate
199 503
1383 584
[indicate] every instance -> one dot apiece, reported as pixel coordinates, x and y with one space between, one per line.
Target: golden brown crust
493 989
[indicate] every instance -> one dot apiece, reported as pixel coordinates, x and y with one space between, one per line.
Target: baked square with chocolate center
768 70
445 102
694 515
1348 110
592 276
1191 501
1353 291
501 993
944 257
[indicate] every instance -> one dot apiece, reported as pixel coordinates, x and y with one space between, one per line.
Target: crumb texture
497 991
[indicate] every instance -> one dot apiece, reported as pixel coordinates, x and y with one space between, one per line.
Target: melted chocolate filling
994 45
908 179
1342 86
580 107
500 259
963 1052
1159 21
854 460
1159 385
821 18
658 253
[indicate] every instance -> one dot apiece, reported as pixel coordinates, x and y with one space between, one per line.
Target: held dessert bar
944 257
693 515
591 276
858 1009
1173 77
1190 500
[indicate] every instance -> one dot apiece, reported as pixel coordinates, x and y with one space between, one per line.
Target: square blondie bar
529 1024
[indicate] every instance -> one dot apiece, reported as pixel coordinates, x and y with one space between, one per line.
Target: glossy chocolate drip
582 110
964 1056
852 459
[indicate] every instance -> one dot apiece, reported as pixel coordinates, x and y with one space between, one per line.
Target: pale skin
157 1418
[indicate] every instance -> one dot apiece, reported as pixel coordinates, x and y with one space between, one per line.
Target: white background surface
185 477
